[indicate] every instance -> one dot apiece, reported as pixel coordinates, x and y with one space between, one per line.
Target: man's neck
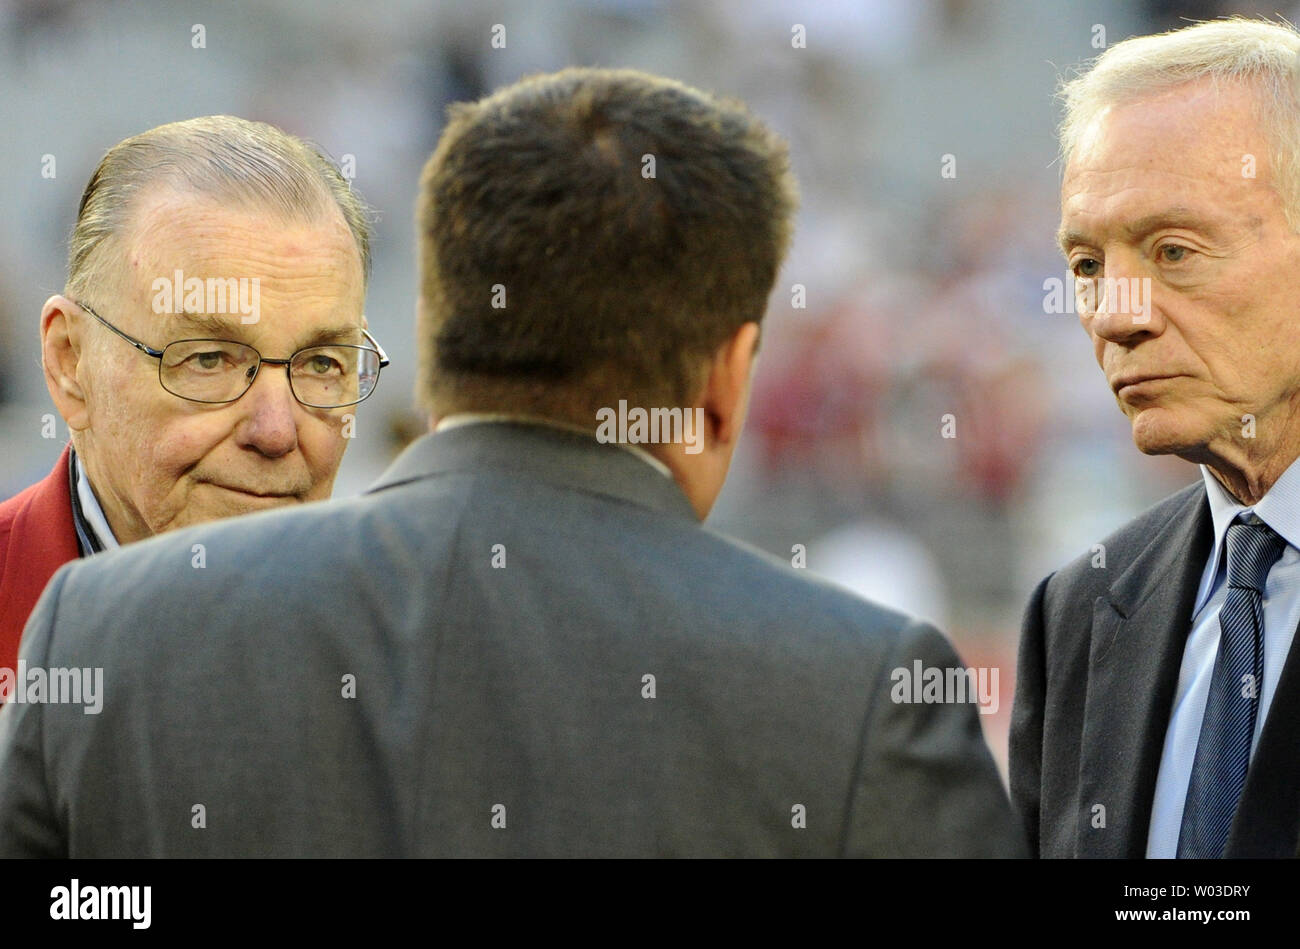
1249 478
457 419
124 529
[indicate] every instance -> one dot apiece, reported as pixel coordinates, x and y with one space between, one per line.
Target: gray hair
1263 53
248 164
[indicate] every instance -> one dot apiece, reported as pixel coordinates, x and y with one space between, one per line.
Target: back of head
591 235
240 163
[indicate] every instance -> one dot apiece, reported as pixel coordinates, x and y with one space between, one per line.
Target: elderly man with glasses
521 641
195 423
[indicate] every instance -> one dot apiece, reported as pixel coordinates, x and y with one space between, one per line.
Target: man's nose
1124 310
269 424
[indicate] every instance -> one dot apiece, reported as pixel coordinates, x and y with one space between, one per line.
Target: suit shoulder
8 514
232 547
1123 545
12 508
759 581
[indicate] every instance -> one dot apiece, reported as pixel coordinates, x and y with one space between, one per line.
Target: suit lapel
1139 631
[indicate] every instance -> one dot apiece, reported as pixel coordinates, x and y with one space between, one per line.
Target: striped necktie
1228 728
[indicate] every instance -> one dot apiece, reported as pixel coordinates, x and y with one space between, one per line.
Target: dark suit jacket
37 537
1099 663
516 696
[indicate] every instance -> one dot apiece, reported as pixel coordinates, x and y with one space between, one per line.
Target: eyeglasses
221 370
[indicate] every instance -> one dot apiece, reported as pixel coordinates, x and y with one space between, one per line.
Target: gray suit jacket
358 678
1099 664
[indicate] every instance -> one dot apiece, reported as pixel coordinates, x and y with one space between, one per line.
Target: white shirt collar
90 509
478 418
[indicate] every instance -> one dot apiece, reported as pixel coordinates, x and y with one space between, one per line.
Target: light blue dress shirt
1280 510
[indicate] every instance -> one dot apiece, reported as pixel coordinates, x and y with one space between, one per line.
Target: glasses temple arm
383 356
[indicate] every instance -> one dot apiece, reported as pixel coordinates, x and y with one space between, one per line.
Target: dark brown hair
616 284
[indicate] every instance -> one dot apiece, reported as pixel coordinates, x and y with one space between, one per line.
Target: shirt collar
478 418
92 518
1279 508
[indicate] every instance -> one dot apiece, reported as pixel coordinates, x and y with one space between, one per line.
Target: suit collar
558 456
93 531
1139 631
1279 509
1175 554
479 418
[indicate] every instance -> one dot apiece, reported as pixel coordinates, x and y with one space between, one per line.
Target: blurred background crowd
923 136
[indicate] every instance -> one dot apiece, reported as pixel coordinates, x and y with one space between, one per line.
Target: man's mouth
256 492
1134 380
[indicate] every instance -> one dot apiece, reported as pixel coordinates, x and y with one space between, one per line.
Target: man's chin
1160 432
219 502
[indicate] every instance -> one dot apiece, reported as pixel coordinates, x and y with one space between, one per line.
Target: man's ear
61 355
726 393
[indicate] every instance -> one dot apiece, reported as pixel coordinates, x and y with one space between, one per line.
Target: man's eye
1173 253
211 360
322 364
1087 267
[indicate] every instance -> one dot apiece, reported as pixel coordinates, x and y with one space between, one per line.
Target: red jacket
37 537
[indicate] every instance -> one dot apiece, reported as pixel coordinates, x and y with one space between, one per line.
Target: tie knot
1253 548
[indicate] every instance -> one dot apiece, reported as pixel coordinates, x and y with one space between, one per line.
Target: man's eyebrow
337 334
1135 230
216 327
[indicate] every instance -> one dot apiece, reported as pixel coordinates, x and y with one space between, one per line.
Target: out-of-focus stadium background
922 133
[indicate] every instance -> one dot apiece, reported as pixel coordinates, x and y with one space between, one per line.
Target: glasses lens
207 370
331 376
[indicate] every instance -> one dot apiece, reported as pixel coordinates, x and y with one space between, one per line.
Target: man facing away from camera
199 245
1158 701
521 641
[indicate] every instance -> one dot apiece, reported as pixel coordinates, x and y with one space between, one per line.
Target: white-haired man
207 255
1158 705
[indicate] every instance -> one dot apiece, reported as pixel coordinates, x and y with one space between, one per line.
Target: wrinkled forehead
172 229
187 259
1195 126
1192 144
167 221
